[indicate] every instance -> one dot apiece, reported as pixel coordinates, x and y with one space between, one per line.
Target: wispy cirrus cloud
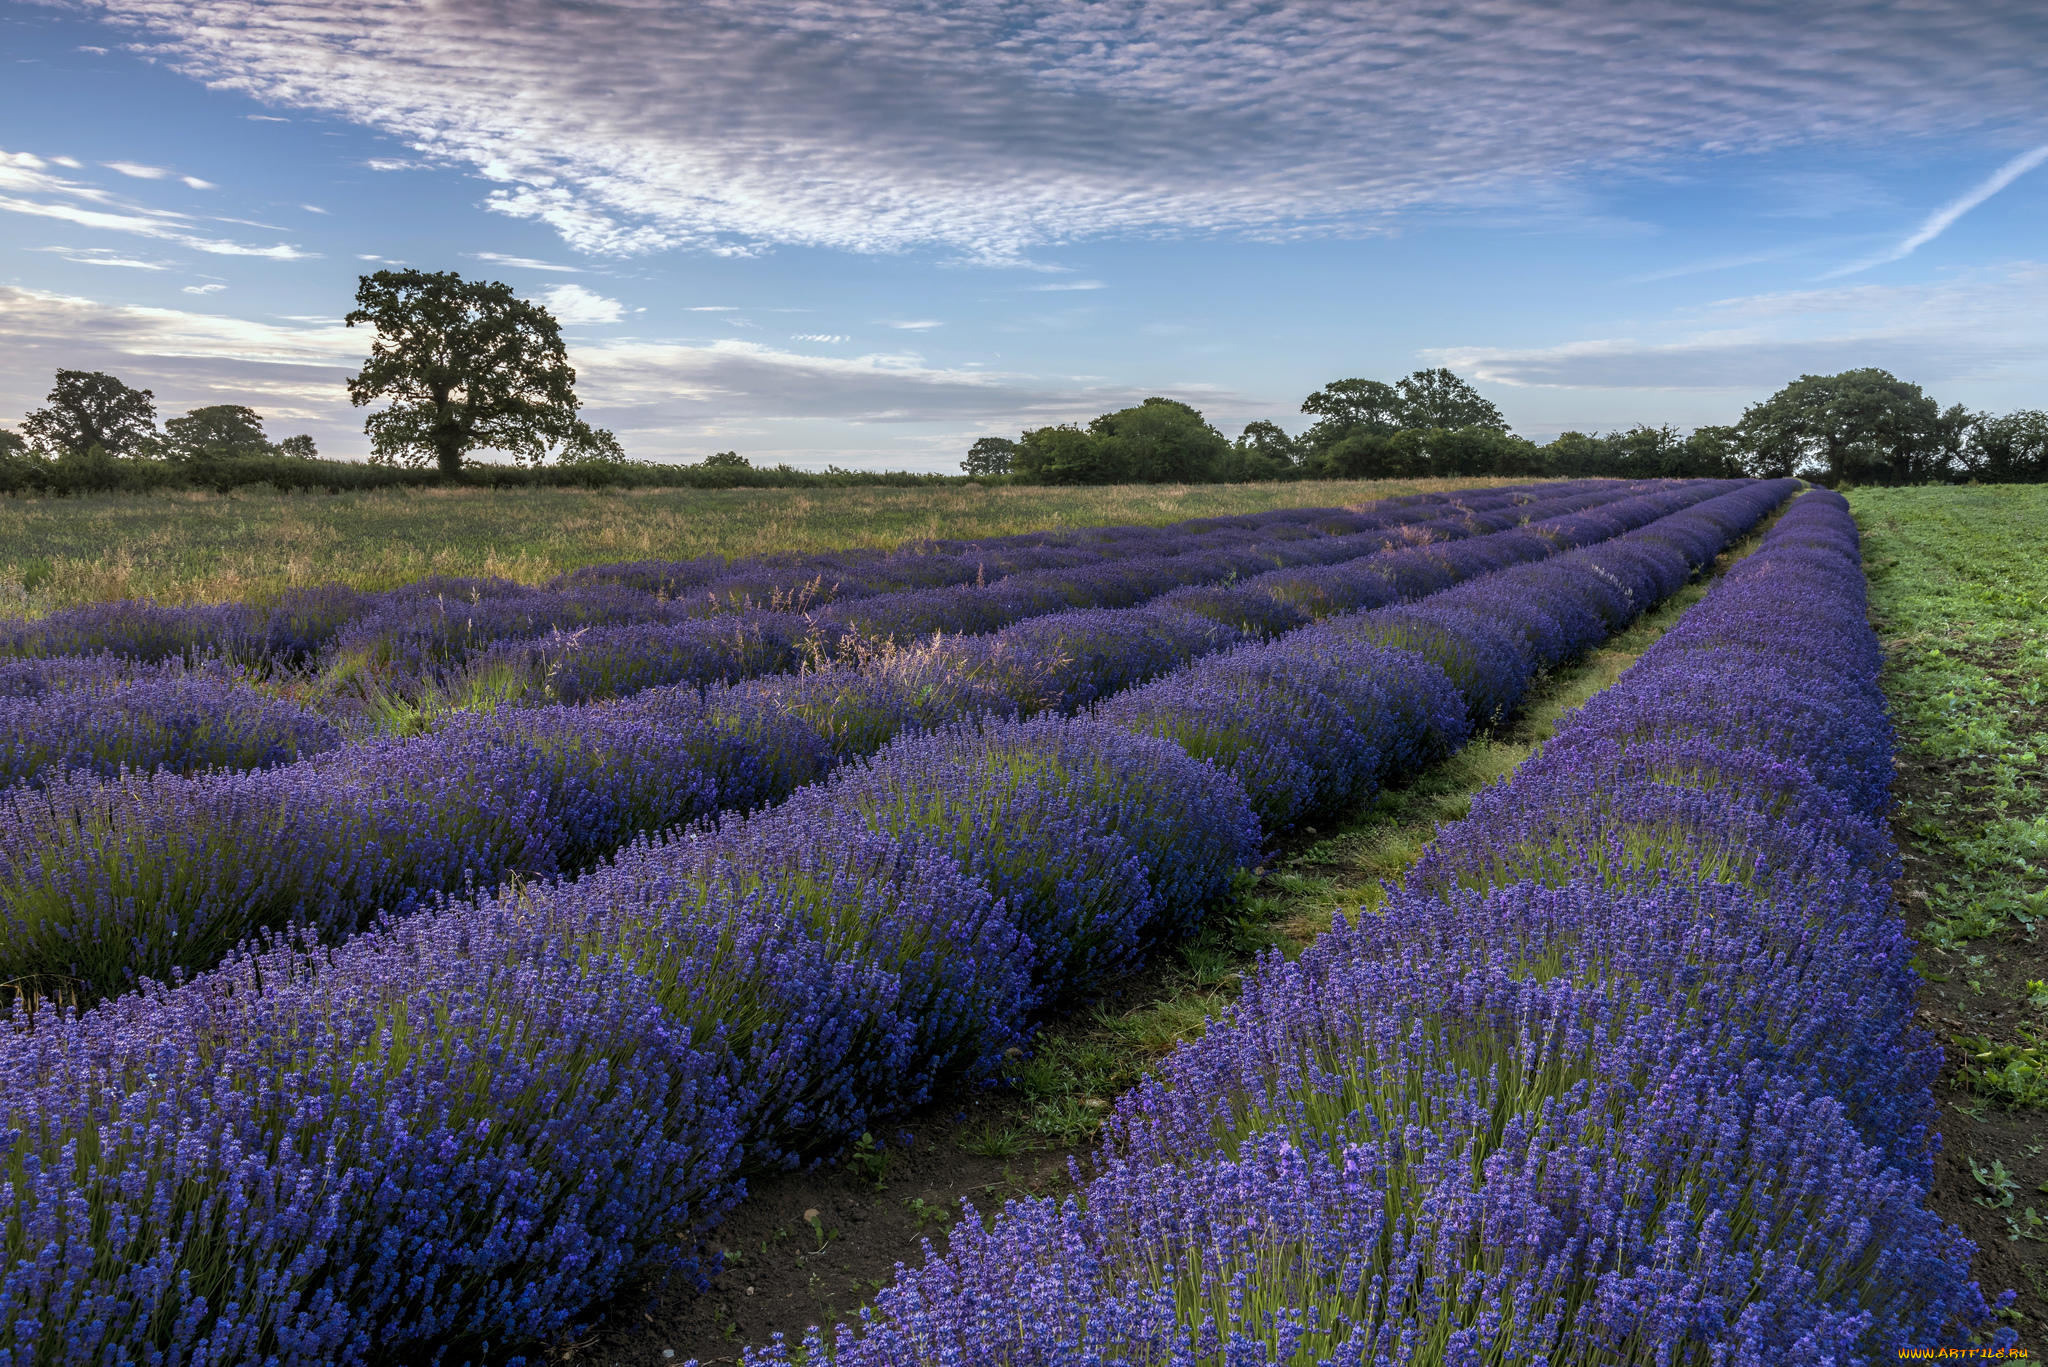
136 170
30 188
101 256
992 126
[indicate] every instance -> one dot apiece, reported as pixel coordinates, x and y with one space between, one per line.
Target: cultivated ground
194 547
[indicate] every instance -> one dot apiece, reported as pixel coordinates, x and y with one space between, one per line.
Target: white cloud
70 163
101 256
994 125
392 164
265 118
214 288
195 183
525 263
576 306
818 337
137 170
1062 286
918 325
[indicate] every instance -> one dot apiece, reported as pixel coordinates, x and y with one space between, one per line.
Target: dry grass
200 547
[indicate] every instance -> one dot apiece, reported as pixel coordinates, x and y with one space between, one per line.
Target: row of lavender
440 621
301 625
422 652
103 883
459 1132
1627 1072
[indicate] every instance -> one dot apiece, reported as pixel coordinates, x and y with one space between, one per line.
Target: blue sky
867 231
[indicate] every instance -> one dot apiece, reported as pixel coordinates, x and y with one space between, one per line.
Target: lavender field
418 975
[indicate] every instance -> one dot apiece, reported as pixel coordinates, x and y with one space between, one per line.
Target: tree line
1862 426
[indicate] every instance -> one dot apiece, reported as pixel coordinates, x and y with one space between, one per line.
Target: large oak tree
467 366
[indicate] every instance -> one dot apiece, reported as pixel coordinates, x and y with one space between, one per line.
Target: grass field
1959 591
190 547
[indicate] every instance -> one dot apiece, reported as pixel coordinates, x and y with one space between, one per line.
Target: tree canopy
1438 398
1351 407
1264 450
1155 442
1160 441
467 365
990 456
1865 425
2011 449
222 429
88 409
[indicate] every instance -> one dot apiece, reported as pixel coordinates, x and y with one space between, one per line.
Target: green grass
201 547
1959 589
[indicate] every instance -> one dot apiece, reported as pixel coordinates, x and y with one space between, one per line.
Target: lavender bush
1098 841
182 724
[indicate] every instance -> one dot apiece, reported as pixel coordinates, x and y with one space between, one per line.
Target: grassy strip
1959 589
1064 1089
201 547
1960 586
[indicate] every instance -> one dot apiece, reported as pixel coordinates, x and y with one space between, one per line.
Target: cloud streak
992 126
524 263
1942 219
